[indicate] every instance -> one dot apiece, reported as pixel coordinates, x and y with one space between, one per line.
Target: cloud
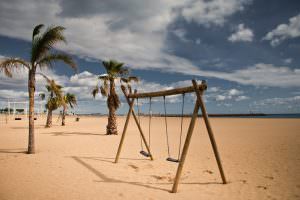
226 95
284 31
12 94
241 98
220 97
212 12
242 34
133 31
234 92
260 74
181 34
288 61
293 101
141 42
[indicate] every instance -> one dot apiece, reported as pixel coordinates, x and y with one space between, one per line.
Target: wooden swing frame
199 104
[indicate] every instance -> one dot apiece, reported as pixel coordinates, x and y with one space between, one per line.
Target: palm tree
114 70
55 100
69 99
41 56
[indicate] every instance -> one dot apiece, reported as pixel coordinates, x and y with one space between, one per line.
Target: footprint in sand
262 187
243 181
136 168
269 177
161 178
208 171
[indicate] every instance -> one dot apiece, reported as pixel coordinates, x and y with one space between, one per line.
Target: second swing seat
172 159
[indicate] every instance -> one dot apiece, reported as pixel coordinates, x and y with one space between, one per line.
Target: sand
261 160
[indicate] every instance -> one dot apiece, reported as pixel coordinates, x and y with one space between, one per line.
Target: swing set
199 104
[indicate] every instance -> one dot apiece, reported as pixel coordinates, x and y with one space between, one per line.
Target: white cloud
260 74
139 42
292 101
241 98
242 34
212 12
126 31
288 61
181 34
234 92
12 94
198 41
213 89
84 79
284 31
220 97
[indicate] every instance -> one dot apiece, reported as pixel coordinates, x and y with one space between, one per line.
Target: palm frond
70 99
106 65
42 96
55 89
125 80
133 78
10 64
103 77
36 30
114 68
104 90
54 103
123 72
42 44
48 60
95 91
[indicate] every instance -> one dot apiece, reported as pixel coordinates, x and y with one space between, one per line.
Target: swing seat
144 153
172 160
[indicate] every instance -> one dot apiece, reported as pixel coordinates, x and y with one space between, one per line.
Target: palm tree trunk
63 116
111 127
31 90
49 119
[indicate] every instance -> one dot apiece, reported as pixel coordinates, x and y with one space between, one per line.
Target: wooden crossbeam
175 91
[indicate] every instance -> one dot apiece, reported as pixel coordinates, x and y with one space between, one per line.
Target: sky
246 50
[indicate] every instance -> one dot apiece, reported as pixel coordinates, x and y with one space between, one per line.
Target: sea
288 116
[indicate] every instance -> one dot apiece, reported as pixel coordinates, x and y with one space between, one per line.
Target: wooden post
210 132
186 146
124 130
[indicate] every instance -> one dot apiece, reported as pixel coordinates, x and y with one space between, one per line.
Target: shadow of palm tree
20 150
61 133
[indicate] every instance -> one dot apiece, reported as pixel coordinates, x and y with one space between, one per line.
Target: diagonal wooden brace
131 111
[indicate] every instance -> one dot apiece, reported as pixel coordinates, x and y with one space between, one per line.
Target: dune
261 160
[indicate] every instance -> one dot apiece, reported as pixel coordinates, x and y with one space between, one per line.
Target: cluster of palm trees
57 99
43 55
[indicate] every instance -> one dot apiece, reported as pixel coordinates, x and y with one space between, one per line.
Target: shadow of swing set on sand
106 179
199 104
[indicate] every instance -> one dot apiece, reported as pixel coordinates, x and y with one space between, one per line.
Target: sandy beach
261 159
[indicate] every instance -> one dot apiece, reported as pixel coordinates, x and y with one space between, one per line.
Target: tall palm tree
55 100
114 70
69 99
41 56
